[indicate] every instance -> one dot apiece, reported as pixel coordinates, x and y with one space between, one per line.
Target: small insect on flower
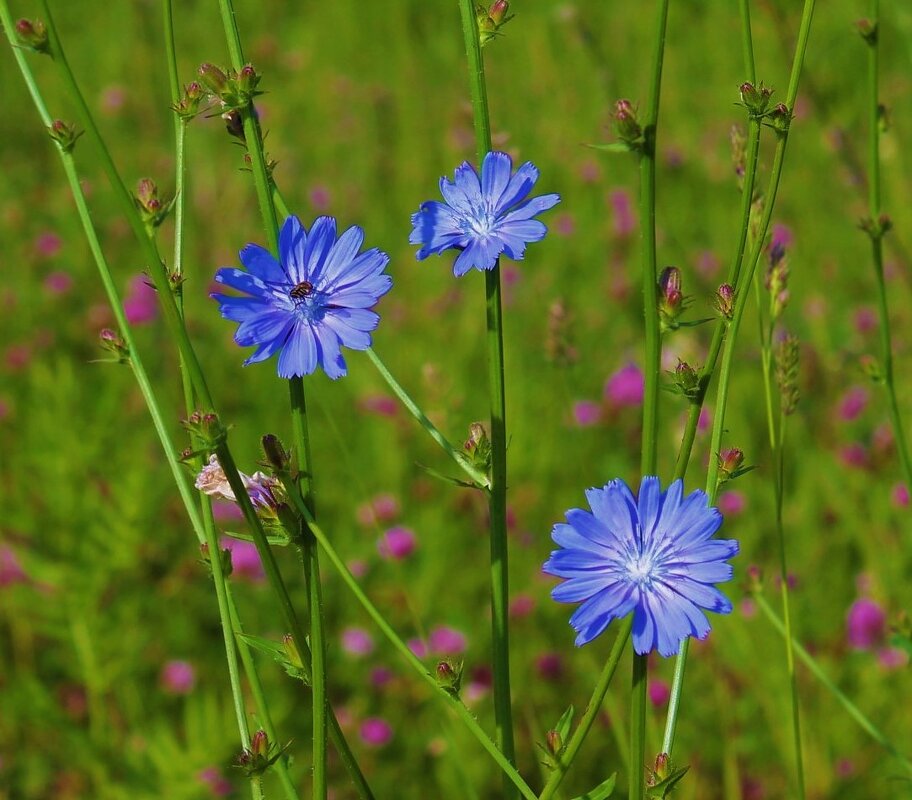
653 556
315 298
483 217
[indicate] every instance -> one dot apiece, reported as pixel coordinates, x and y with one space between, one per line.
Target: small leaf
278 653
600 792
613 147
563 724
664 788
446 478
281 539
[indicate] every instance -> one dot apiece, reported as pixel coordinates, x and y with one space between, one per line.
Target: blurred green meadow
112 673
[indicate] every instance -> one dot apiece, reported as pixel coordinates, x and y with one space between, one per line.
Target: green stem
568 755
449 699
741 296
475 474
747 41
311 564
497 498
876 234
854 712
637 790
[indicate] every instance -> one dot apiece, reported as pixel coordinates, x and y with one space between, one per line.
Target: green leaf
563 724
278 652
600 792
280 539
613 147
664 788
448 479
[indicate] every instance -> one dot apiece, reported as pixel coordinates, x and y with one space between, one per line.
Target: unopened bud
478 447
662 766
114 343
687 380
276 455
498 11
259 743
754 577
671 300
626 124
247 80
867 30
731 460
64 133
725 301
33 35
449 675
554 741
291 651
491 20
780 118
213 78
755 99
187 107
152 208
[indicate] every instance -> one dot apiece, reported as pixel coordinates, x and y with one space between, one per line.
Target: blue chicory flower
654 556
314 299
484 217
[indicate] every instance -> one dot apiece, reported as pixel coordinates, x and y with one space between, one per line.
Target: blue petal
593 616
577 563
364 294
267 349
260 262
320 240
262 328
495 175
615 507
705 572
532 207
569 537
576 589
242 281
592 528
369 264
712 550
648 505
299 355
341 256
464 194
330 355
437 228
516 235
700 594
644 630
481 254
292 240
519 186
352 326
239 309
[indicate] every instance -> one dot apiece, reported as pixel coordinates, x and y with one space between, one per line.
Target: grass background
366 104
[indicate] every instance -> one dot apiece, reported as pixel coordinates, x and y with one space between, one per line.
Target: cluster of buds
626 124
206 428
559 347
235 89
867 29
224 558
189 104
663 777
876 228
755 99
33 35
152 209
449 675
725 301
787 353
114 343
65 134
260 756
686 380
478 448
671 301
776 280
491 20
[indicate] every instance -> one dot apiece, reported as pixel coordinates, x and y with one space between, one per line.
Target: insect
301 290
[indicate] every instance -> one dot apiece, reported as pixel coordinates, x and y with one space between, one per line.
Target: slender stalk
448 698
876 231
712 477
497 497
818 672
311 564
567 756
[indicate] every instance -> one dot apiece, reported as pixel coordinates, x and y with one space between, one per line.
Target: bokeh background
112 675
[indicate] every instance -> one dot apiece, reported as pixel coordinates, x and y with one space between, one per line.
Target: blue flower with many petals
484 217
654 556
314 299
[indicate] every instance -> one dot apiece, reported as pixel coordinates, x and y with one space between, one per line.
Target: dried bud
234 124
876 228
626 124
65 134
755 99
725 301
32 34
787 354
277 456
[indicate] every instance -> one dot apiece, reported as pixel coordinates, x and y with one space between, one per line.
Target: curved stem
497 497
569 753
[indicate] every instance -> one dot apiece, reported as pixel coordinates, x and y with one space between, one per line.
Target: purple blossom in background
586 413
900 495
659 692
866 624
357 642
305 306
653 556
622 213
446 641
58 283
782 237
853 403
178 677
865 319
48 244
141 303
549 666
218 784
625 387
482 217
396 544
732 503
11 571
376 732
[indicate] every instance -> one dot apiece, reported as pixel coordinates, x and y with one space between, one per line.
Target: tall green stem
741 297
876 230
497 498
450 699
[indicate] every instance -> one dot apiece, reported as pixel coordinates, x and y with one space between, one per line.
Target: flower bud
152 209
626 124
207 427
187 107
33 35
112 342
491 20
214 79
259 743
867 29
754 577
554 741
687 380
725 301
478 447
247 80
291 651
662 766
449 675
671 301
755 99
276 455
780 118
730 461
65 134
